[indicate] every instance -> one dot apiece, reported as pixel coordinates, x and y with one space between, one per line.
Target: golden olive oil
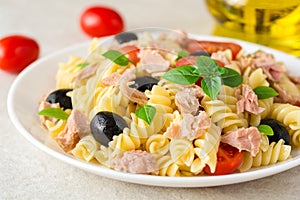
274 23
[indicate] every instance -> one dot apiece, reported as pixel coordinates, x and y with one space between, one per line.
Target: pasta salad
170 105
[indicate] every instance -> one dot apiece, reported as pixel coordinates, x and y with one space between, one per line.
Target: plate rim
183 182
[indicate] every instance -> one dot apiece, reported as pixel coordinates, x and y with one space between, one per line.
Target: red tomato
212 46
132 52
17 52
189 60
229 159
98 21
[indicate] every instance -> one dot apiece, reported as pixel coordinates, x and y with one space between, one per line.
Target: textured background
28 173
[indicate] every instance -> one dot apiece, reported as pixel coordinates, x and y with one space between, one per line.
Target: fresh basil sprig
55 113
211 86
265 92
208 69
183 75
230 77
265 129
146 113
117 57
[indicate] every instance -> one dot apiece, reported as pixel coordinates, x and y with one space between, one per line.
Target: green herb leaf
184 75
207 66
211 86
116 57
84 64
265 129
182 54
55 113
230 77
146 113
264 92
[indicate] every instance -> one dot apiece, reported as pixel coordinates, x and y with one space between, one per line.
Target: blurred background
55 24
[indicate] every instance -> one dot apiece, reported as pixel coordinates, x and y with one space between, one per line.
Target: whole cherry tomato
17 52
97 21
229 159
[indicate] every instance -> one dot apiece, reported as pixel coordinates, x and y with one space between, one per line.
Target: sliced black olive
144 83
280 132
105 125
200 53
126 37
60 96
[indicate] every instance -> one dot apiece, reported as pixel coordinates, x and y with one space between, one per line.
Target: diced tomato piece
132 52
213 46
229 159
189 60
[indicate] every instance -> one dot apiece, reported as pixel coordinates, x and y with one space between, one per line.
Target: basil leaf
230 77
184 75
55 113
265 129
84 64
116 57
182 54
146 113
211 86
207 66
264 92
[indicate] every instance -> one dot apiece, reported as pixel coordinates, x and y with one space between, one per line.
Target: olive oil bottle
274 23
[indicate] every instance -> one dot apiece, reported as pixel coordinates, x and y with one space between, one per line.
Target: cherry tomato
132 52
17 52
229 159
213 46
97 21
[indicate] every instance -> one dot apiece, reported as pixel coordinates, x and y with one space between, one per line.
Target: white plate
39 78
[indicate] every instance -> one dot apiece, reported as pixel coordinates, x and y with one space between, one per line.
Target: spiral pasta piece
172 88
58 126
289 115
158 144
86 148
167 167
55 128
248 159
222 115
228 96
119 144
275 153
160 98
67 71
182 152
110 99
140 129
295 137
267 105
255 78
104 155
206 148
